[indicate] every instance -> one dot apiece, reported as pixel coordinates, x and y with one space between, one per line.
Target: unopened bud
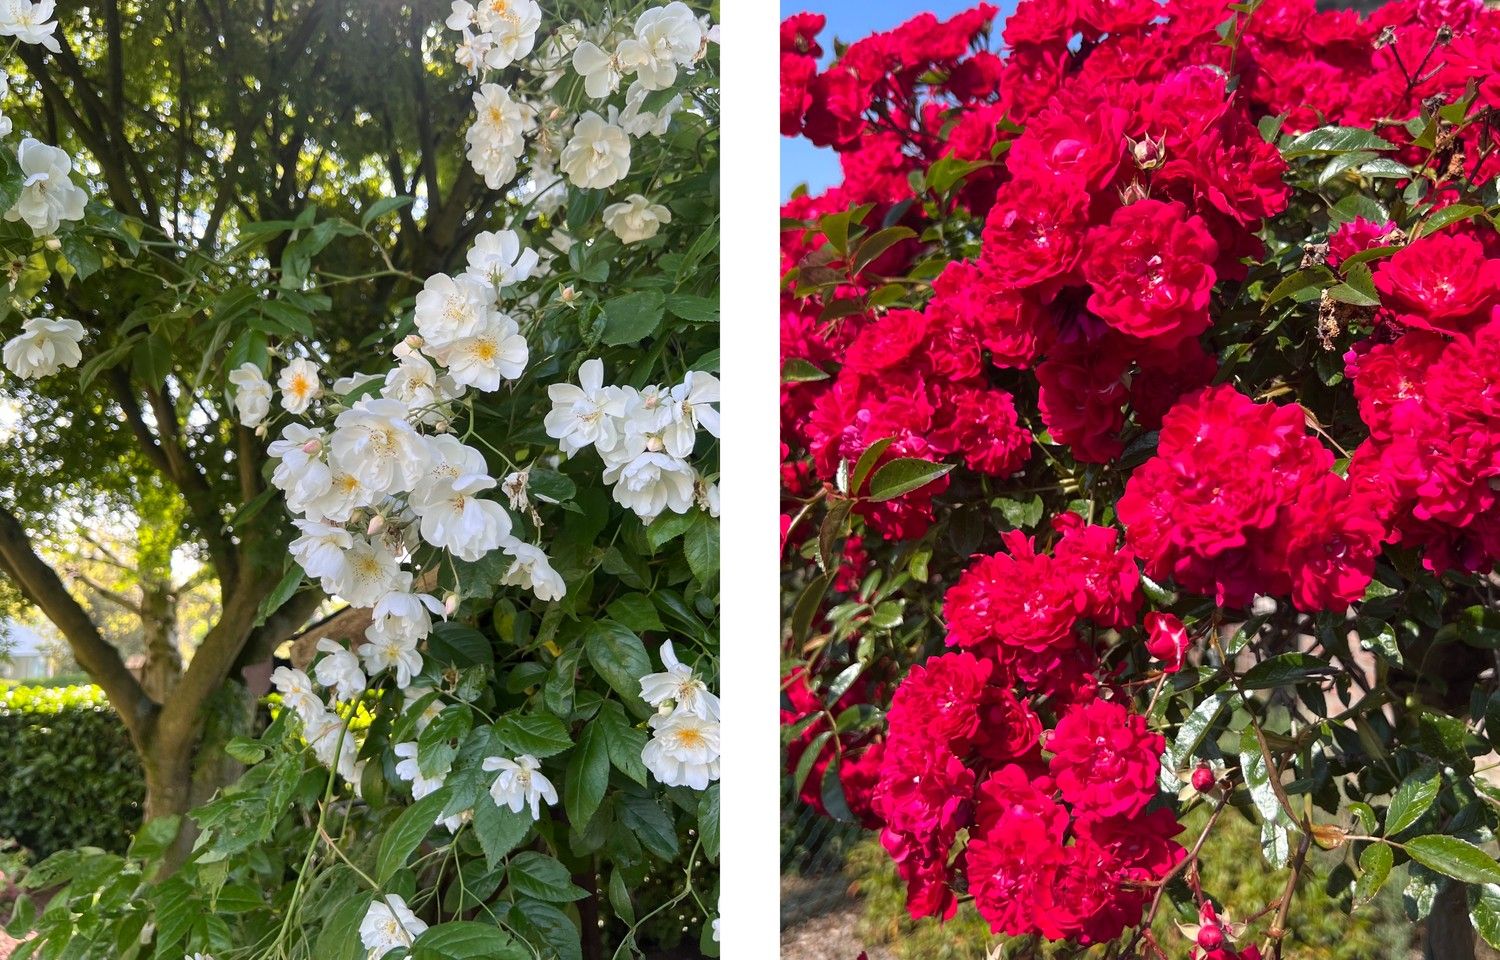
312 446
1444 35
1203 778
568 295
377 524
1132 193
1149 154
1386 38
450 604
261 431
1210 936
54 244
413 341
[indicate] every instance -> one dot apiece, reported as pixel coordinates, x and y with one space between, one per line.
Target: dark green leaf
632 317
542 877
903 475
407 833
1454 858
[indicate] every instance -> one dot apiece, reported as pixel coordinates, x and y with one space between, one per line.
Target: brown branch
41 585
113 596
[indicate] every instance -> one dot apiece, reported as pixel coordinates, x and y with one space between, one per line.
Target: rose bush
1140 457
510 482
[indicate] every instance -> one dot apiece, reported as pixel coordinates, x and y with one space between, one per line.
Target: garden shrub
71 778
514 475
1141 420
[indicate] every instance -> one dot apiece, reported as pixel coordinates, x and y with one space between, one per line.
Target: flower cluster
1066 267
1241 500
48 198
644 436
592 149
684 747
1060 842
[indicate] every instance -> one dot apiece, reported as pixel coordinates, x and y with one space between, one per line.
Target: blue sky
849 20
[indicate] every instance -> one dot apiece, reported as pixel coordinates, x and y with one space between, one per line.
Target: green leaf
1412 799
1454 858
1484 912
903 475
539 734
701 547
553 927
285 589
1375 866
1196 726
797 370
1334 140
620 658
1285 669
873 246
632 317
541 877
466 940
407 833
644 817
865 464
588 775
12 179
623 741
1446 216
619 897
708 820
81 254
636 611
499 830
692 308
382 207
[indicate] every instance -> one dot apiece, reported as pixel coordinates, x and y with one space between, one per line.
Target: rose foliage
1141 432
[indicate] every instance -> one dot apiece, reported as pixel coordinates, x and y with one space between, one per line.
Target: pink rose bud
377 524
1166 640
312 446
1203 778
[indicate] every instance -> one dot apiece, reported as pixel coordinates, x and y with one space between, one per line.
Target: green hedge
68 774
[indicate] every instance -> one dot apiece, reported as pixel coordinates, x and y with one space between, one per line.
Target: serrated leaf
587 776
539 734
620 658
1375 866
904 475
499 830
632 317
1411 800
1287 668
541 877
1454 858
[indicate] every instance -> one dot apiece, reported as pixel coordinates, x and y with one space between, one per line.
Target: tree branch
113 596
42 586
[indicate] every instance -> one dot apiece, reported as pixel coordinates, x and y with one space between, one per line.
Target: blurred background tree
232 149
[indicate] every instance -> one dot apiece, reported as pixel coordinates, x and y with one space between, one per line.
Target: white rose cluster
644 437
49 197
385 478
591 150
684 747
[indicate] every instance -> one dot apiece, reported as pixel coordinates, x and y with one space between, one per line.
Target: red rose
1152 271
1166 640
1440 282
1105 760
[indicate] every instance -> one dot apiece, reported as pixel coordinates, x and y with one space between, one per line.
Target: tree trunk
1449 935
159 626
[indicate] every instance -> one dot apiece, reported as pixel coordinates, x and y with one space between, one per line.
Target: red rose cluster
1060 842
1241 500
1085 274
1059 845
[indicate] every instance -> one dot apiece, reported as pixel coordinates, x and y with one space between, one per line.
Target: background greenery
70 776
